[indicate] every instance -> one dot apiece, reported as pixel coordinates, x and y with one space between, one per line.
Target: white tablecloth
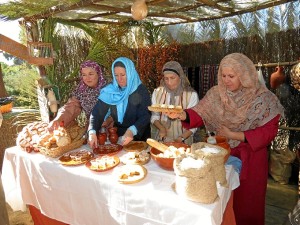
79 196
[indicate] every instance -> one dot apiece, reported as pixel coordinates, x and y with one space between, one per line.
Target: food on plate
135 146
136 157
165 108
103 163
76 157
108 149
129 174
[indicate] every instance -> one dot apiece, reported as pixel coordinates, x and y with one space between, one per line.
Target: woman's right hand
53 125
174 115
162 133
92 141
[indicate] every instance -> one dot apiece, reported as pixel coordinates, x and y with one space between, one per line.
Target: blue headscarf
113 94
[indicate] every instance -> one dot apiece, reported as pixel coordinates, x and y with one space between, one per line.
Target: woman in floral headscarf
127 100
84 97
247 114
174 89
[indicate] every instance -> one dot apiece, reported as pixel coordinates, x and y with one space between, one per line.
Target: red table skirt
40 219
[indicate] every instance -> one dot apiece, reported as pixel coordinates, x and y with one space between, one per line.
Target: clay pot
113 138
139 10
112 130
277 78
102 137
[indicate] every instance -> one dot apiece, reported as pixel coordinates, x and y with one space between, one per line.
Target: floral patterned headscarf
88 96
250 107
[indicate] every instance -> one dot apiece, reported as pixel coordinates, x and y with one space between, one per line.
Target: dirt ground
19 217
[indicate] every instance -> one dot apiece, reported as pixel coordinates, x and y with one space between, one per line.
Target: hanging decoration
139 10
277 78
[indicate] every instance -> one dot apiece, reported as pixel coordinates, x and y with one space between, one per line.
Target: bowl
166 163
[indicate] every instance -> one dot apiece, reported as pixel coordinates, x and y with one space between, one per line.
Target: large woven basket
56 152
76 133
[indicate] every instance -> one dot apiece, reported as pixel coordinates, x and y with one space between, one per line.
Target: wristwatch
182 139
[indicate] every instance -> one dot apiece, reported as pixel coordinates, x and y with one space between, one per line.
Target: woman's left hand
127 137
224 131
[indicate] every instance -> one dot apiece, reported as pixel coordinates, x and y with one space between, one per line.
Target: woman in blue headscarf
127 101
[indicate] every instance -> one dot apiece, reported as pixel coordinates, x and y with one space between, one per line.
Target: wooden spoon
155 144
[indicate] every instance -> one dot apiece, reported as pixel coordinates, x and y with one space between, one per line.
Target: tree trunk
3 92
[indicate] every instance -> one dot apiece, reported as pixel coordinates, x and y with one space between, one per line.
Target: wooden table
78 196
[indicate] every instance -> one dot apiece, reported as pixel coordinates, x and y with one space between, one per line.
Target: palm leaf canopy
160 12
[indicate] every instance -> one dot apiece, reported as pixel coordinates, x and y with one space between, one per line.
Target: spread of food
136 157
165 108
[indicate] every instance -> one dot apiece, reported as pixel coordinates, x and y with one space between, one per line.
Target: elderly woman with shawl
247 114
174 89
127 101
84 97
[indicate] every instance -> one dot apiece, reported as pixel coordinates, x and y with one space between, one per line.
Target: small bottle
211 139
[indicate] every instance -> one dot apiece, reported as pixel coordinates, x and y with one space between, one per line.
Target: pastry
135 146
165 108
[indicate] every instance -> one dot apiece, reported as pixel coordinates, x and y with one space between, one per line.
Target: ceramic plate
76 158
108 149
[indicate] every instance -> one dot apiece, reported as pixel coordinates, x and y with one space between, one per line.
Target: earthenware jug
277 78
113 136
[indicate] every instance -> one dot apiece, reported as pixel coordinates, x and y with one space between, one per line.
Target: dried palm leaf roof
160 12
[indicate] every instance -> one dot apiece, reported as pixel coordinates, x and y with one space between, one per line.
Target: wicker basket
76 133
56 152
6 108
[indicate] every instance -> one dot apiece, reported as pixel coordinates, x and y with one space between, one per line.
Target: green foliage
19 81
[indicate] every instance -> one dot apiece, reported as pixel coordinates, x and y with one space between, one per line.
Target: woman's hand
224 131
173 115
53 125
162 133
92 141
127 137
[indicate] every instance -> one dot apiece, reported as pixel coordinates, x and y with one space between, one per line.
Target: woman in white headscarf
174 89
127 101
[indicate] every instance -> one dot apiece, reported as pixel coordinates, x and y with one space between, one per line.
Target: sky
9 29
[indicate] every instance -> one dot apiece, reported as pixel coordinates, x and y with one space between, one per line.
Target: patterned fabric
202 78
86 95
251 106
112 94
